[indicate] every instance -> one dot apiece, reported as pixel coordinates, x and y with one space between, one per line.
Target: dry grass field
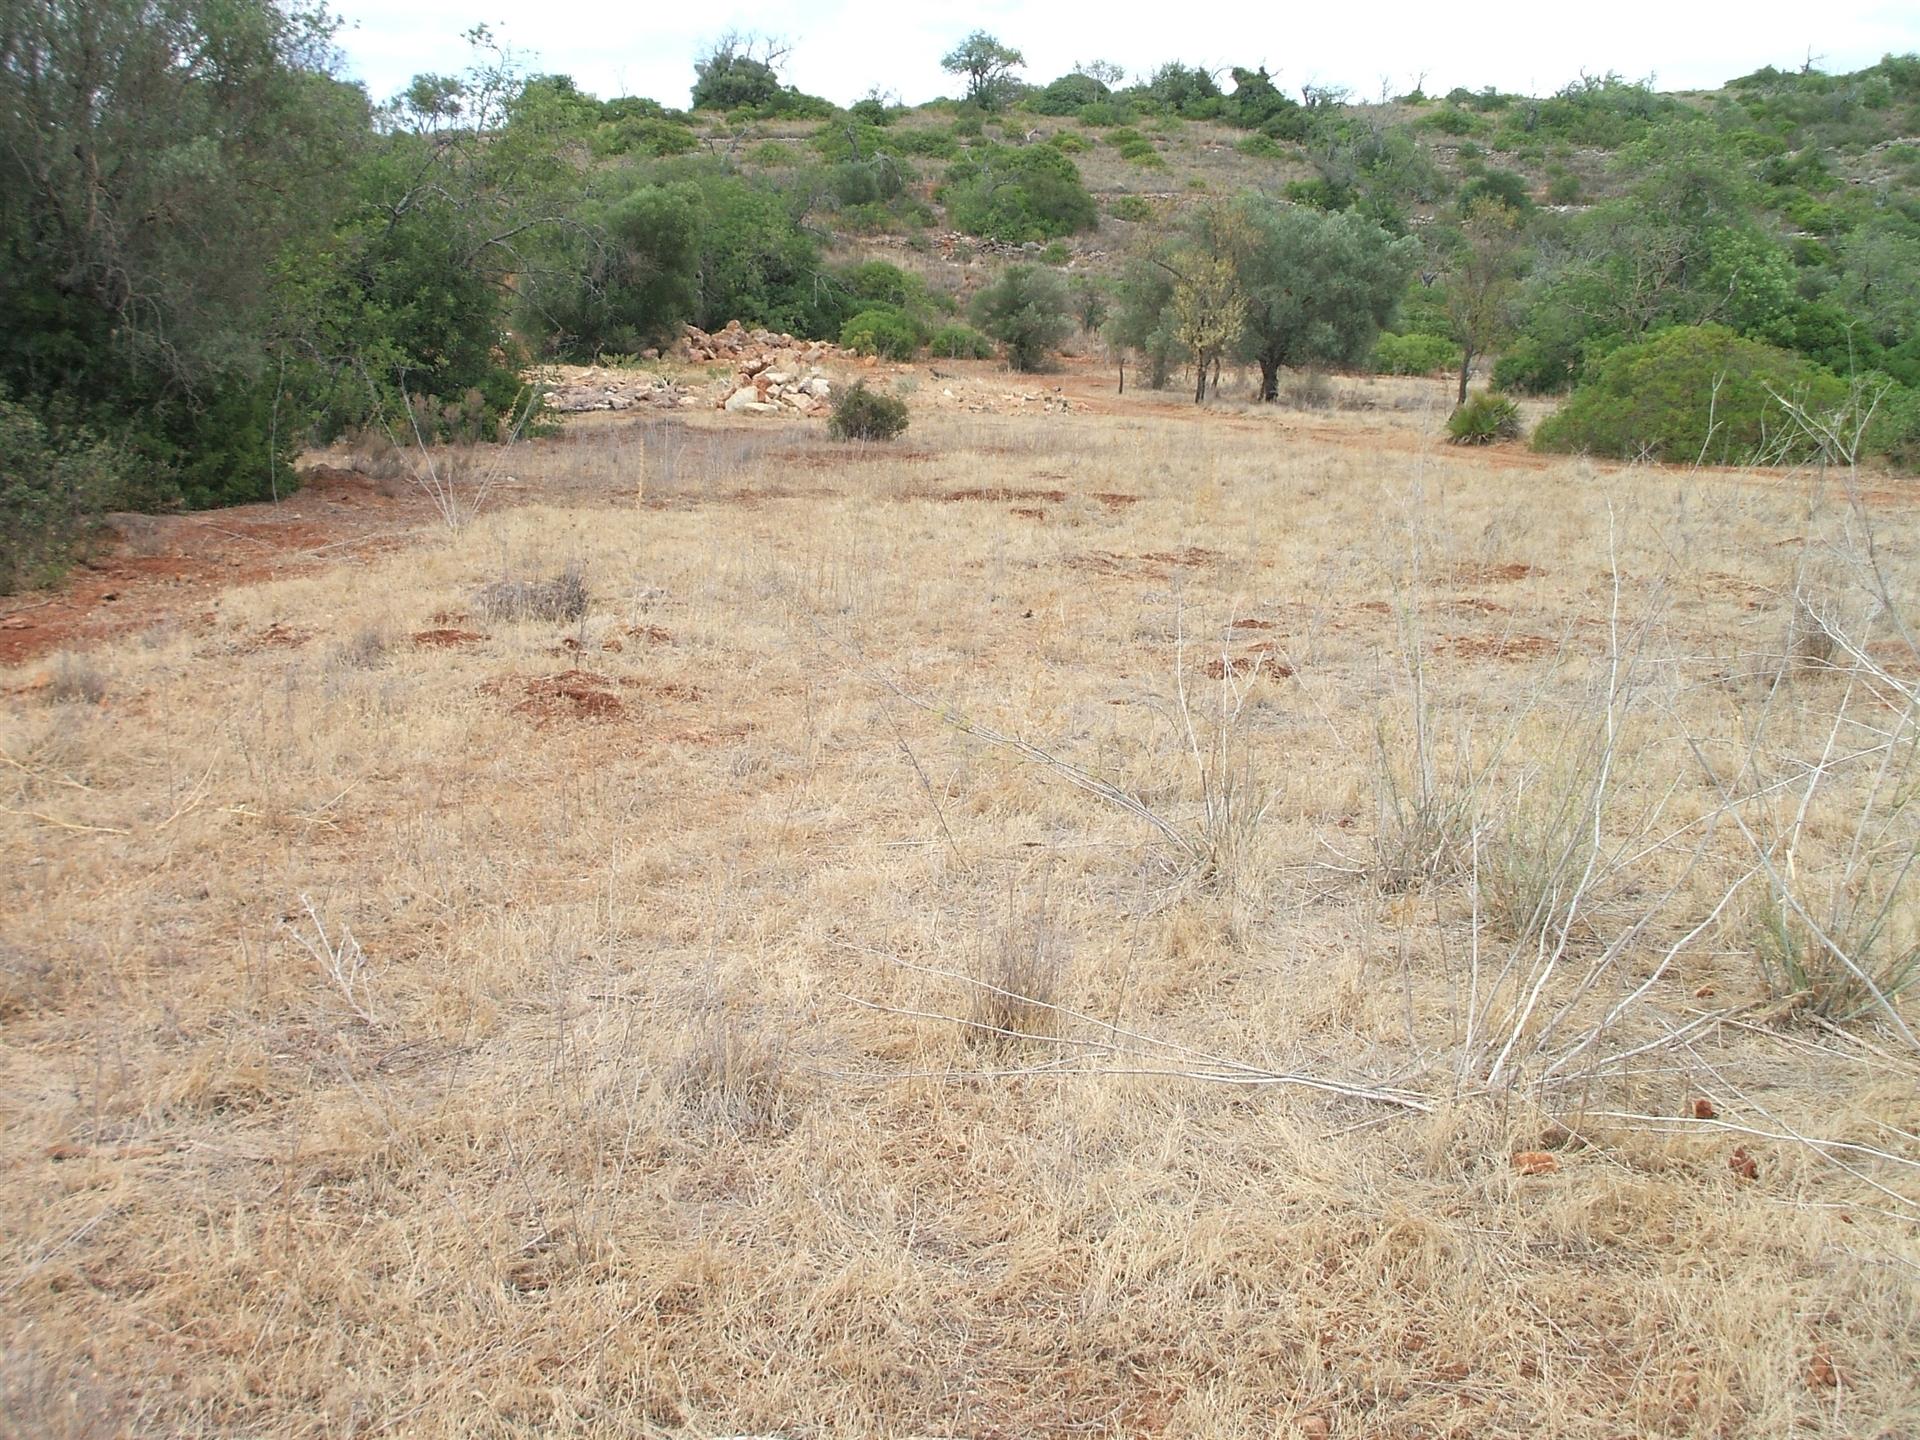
1131 923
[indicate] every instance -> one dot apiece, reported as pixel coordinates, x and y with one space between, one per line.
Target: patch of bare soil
1500 647
1153 565
1004 493
1256 661
584 696
1491 574
447 639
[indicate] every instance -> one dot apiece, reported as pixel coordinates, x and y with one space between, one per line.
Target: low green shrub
881 331
1693 393
52 490
1529 368
1485 417
1131 207
1416 354
959 342
863 414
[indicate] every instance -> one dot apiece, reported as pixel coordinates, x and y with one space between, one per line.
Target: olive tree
987 65
1317 288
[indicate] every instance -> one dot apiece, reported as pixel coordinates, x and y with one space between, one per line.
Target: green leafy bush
1894 431
1449 120
1485 417
1530 368
863 414
885 332
1261 147
1028 310
1069 95
1691 393
1416 354
1030 193
1068 142
1131 207
51 492
959 342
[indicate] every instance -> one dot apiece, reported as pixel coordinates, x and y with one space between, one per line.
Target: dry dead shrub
28 982
76 680
1015 998
560 597
733 1075
365 649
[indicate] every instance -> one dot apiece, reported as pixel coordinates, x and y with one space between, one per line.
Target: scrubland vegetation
219 253
988 912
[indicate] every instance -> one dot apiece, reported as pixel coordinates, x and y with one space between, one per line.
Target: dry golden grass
565 1027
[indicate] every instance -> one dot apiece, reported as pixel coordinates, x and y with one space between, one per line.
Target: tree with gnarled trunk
1317 287
987 65
1484 282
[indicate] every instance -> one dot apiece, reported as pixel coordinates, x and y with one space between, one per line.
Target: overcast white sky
842 48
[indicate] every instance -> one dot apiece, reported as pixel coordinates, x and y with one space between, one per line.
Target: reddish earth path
168 568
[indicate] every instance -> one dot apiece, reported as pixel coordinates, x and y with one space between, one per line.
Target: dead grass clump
1810 639
560 597
733 1075
365 649
1014 999
76 680
27 982
1309 390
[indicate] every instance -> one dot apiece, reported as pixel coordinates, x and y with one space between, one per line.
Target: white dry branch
341 960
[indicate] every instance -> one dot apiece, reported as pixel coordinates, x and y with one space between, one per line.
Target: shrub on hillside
1692 393
1530 368
881 331
51 492
959 342
1030 193
1414 354
863 414
1893 432
1028 310
1484 418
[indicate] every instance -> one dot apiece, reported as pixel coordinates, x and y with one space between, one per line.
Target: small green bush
52 490
959 342
1028 309
1416 354
1069 142
1692 393
1451 121
1530 368
863 414
882 331
1261 147
1131 207
1486 416
1894 431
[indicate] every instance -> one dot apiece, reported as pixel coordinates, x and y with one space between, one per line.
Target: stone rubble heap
572 390
760 388
736 342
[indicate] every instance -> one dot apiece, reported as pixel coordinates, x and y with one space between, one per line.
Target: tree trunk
1123 374
1200 385
1269 380
1466 369
1216 377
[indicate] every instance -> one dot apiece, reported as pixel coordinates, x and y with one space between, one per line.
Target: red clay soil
169 568
447 639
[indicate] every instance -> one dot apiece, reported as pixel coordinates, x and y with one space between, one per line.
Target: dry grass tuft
76 680
559 597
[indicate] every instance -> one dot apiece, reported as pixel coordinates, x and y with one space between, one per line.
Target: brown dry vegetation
846 981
